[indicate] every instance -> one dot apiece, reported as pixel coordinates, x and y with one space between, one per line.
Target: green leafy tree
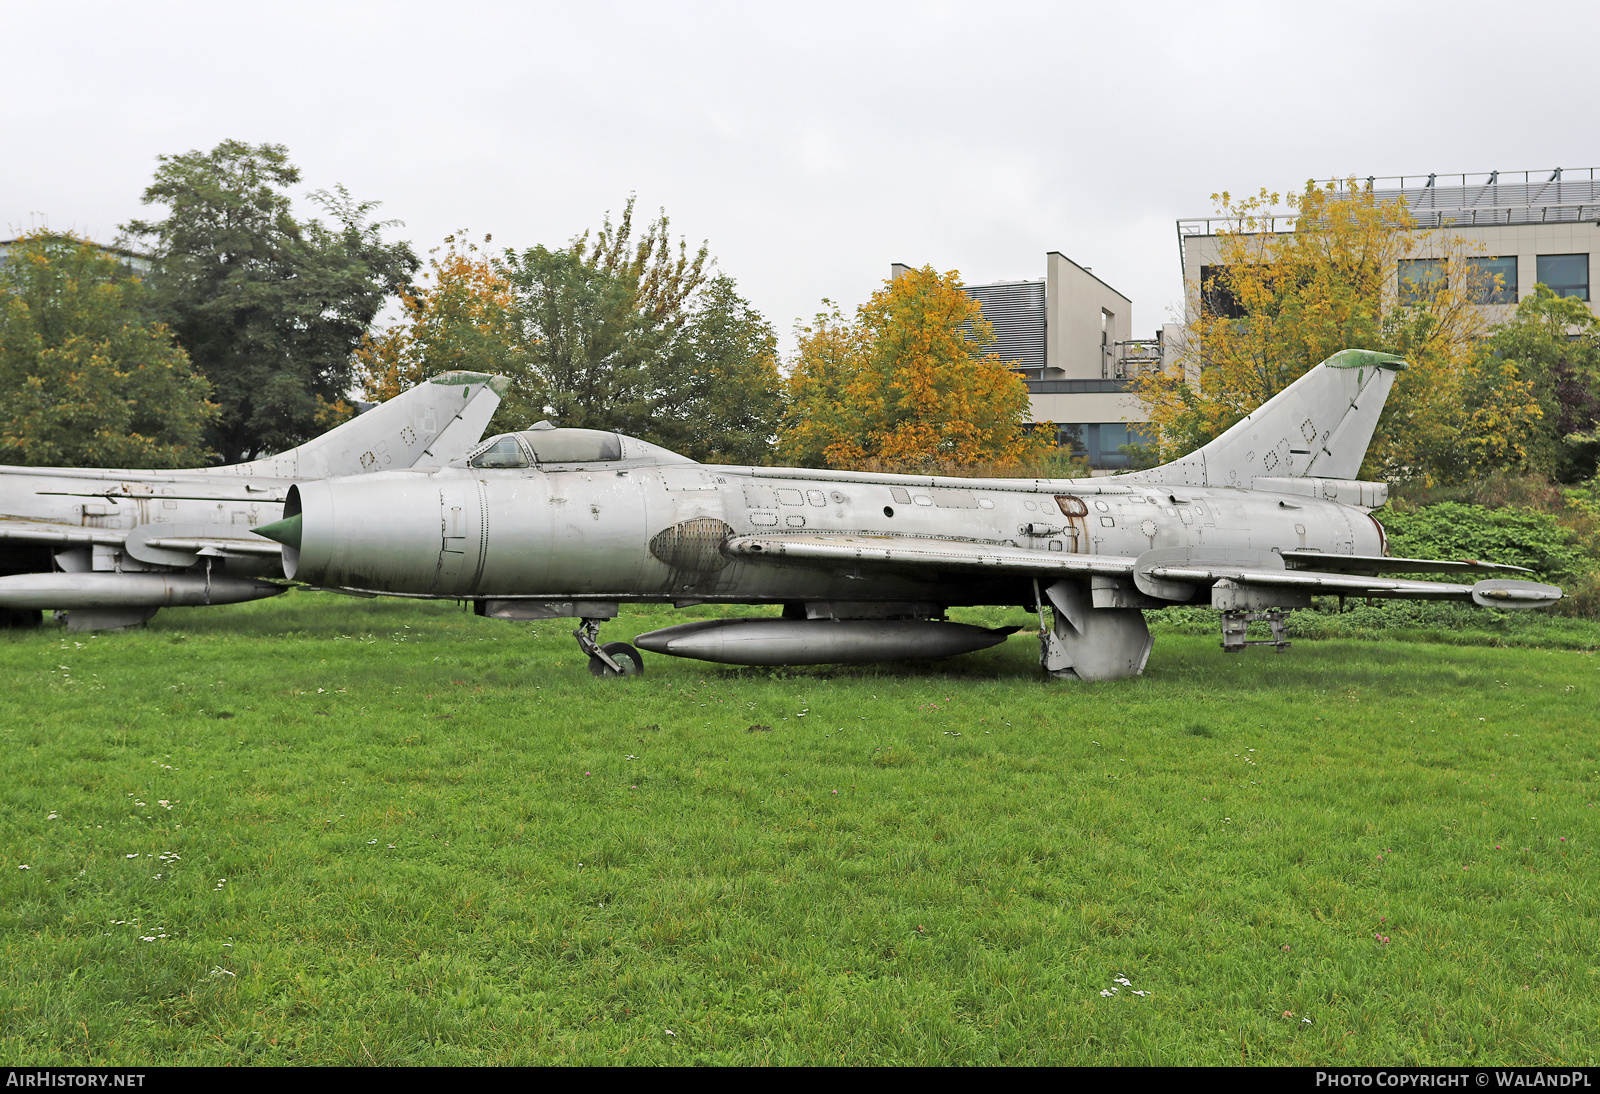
269 308
636 336
910 385
86 377
588 347
462 317
1554 343
716 393
663 283
1518 537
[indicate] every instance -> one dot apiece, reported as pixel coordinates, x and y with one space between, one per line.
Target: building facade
1070 335
1523 228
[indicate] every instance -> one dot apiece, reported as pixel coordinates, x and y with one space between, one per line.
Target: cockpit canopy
545 445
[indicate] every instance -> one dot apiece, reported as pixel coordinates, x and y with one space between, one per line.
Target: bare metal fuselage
97 508
651 533
555 522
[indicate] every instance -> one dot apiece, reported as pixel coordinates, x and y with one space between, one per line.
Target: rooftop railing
1554 196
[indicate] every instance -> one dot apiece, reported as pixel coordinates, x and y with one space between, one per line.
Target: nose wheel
611 659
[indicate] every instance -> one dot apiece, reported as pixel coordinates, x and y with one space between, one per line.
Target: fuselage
107 503
632 531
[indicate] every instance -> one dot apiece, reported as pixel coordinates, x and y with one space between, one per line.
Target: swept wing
1265 569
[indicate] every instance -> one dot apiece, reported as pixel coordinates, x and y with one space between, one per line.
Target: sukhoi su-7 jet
550 523
109 548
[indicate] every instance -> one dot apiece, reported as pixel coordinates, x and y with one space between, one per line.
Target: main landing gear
611 659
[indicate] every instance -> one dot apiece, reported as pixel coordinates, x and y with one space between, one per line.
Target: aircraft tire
630 659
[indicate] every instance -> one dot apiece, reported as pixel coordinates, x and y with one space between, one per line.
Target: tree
662 284
598 317
909 385
588 346
86 378
716 393
639 337
1283 301
465 320
269 308
604 333
1554 343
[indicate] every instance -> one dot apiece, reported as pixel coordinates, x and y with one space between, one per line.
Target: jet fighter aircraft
551 523
112 547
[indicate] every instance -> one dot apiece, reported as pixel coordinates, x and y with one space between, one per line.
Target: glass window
1070 437
504 452
573 445
1102 442
1495 280
1566 275
1216 294
1421 278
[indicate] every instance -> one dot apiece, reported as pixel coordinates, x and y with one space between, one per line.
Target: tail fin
1319 427
424 426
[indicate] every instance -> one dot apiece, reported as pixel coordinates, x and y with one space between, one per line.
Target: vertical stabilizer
1319 426
422 427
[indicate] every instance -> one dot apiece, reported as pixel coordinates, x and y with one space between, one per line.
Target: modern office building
1071 336
1526 227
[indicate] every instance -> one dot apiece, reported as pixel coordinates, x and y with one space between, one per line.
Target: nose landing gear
611 659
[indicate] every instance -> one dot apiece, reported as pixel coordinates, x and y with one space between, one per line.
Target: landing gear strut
611 659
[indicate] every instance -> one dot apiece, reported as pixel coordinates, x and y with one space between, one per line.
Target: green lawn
319 830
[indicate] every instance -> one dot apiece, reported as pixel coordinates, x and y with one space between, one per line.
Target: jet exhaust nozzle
819 641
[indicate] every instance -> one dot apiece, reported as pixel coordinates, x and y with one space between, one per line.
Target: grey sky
811 144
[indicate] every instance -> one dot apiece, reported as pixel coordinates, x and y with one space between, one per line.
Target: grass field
318 830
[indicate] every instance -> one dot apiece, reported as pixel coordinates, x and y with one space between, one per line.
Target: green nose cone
286 531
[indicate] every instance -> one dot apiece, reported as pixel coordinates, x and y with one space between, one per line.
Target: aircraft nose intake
286 531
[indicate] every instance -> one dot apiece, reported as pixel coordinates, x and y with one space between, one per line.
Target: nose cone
286 531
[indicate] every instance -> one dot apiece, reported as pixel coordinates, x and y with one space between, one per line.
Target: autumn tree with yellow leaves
1354 273
909 385
462 317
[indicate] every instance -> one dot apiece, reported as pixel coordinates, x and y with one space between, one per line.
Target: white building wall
1083 314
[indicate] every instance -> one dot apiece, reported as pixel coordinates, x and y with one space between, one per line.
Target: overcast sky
811 144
